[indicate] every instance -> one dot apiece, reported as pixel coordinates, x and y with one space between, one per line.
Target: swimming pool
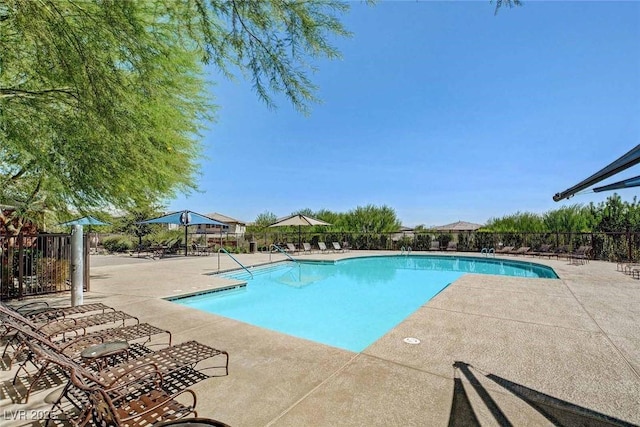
349 303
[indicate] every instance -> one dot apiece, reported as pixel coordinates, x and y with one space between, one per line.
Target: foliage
52 271
569 218
120 243
372 219
101 103
516 222
130 222
262 221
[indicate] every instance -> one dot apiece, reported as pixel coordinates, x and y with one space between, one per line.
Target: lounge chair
452 246
46 313
435 245
169 360
145 409
580 255
323 247
291 248
504 250
306 247
337 247
562 252
135 397
543 250
58 330
523 250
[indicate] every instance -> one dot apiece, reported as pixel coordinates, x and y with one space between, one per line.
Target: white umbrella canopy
298 220
458 226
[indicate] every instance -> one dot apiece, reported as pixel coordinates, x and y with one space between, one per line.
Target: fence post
77 270
630 252
20 239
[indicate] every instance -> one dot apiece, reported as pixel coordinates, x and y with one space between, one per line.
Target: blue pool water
351 303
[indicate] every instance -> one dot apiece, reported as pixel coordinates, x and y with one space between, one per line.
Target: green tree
372 219
130 222
520 221
264 220
101 103
569 219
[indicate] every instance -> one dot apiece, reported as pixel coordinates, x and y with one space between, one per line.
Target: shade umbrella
458 226
299 220
629 159
86 220
185 218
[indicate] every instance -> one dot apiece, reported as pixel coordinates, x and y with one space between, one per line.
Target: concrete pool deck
526 351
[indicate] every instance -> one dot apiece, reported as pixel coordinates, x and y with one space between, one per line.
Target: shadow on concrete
557 411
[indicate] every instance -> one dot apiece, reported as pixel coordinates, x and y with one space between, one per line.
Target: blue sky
440 110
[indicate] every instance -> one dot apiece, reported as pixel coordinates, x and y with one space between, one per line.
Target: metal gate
37 264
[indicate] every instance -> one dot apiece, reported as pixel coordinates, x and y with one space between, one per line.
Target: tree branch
23 93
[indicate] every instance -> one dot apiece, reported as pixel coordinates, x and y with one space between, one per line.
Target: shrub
118 243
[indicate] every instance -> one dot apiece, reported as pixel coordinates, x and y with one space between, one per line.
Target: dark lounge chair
523 250
505 250
543 250
580 255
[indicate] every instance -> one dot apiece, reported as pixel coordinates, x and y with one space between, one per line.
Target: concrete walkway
493 350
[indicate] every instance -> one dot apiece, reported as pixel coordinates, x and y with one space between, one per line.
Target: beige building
236 226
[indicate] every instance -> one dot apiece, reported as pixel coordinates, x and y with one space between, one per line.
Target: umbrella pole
299 240
186 246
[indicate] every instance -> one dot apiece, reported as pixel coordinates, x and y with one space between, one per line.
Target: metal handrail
233 258
273 245
488 251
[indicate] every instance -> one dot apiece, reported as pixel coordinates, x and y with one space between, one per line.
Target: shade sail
629 159
185 218
298 220
627 183
85 220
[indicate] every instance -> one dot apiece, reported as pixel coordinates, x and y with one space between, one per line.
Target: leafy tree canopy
102 102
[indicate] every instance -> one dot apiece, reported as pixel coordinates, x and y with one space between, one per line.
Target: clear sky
440 110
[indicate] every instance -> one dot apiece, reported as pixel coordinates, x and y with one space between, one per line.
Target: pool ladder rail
488 251
405 251
233 258
279 249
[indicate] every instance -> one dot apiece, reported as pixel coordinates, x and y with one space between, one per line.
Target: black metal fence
605 246
37 264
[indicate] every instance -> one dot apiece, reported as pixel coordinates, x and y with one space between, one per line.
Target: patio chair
45 312
435 245
148 409
452 246
306 248
291 248
177 361
337 247
523 250
542 250
323 247
57 330
580 255
136 397
504 250
73 324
